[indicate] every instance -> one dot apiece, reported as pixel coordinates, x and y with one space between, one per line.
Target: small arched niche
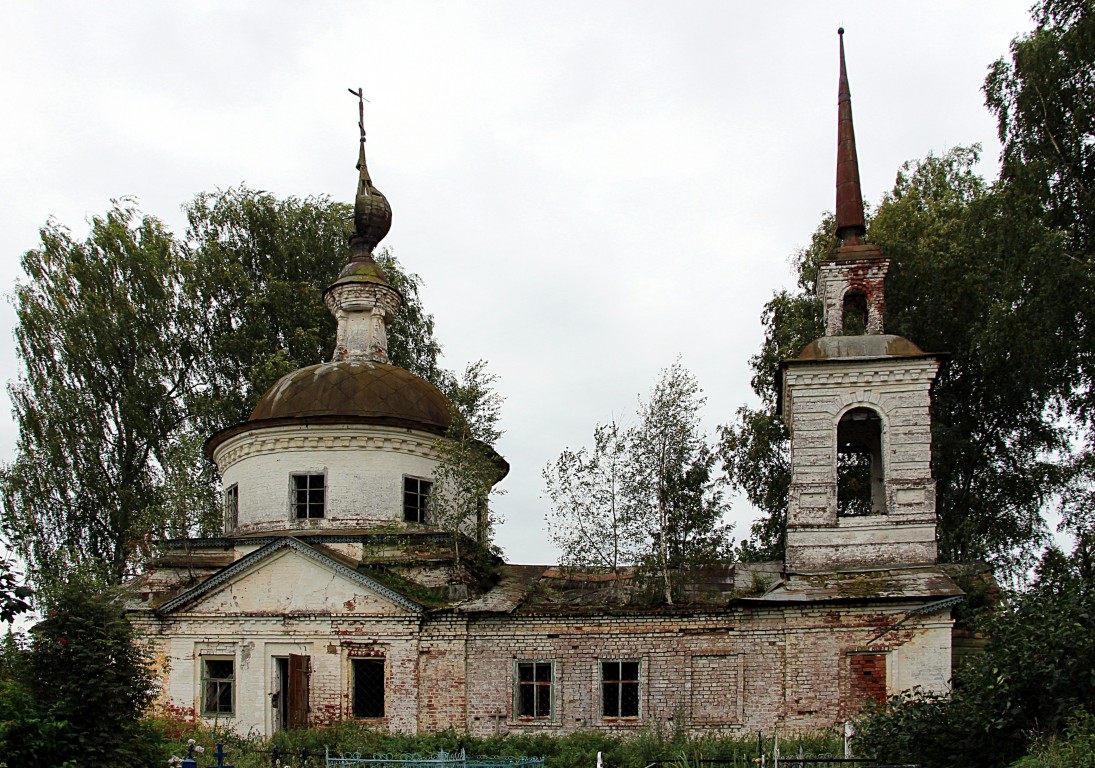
854 313
860 474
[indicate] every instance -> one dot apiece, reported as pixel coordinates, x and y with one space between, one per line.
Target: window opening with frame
231 507
218 686
619 689
368 687
860 477
416 494
533 696
309 495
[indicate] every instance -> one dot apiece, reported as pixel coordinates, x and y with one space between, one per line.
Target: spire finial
850 222
372 214
361 299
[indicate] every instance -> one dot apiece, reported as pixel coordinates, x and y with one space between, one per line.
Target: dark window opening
416 494
860 479
855 313
368 687
309 496
218 686
534 683
231 507
620 689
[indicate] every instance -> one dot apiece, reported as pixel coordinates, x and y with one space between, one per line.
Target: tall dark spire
850 223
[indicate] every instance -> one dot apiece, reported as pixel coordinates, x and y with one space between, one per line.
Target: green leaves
137 344
586 490
977 275
646 495
77 690
468 467
1033 676
106 352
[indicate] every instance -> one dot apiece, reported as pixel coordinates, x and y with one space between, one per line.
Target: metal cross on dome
360 110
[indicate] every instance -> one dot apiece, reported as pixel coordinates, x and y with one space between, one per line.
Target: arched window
860 476
854 313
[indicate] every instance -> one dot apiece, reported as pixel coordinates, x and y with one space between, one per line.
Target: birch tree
649 496
586 491
675 505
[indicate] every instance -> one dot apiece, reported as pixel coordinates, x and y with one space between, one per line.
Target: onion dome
360 391
372 213
358 385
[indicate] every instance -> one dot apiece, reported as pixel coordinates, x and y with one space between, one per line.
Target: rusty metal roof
850 225
886 583
852 347
356 389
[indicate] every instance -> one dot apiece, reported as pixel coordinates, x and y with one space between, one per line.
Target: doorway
289 691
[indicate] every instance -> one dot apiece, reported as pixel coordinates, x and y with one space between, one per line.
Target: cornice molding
350 437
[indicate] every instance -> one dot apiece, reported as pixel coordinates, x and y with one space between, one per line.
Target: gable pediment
288 577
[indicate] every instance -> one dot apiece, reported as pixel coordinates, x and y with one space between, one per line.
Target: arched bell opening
854 313
860 474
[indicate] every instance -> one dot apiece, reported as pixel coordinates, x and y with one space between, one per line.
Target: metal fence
440 760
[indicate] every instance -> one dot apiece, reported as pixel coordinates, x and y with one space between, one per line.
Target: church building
331 596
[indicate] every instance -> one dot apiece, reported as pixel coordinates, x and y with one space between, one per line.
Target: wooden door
298 691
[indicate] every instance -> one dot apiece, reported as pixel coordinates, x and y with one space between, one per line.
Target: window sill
629 722
537 722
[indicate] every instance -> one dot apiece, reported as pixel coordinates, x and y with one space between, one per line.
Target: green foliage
104 341
468 467
1044 102
587 519
1034 675
1043 97
27 737
755 448
1074 749
974 274
650 492
262 266
136 345
14 596
76 692
577 750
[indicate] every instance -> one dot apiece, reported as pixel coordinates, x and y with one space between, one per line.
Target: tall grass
578 750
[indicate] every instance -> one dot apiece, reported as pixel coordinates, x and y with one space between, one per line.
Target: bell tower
857 403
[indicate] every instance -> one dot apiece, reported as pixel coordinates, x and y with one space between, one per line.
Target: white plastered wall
364 467
924 660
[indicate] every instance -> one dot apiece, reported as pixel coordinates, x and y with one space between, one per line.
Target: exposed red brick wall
868 677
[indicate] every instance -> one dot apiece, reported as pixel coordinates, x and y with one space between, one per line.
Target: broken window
416 493
368 688
860 479
533 696
231 507
619 689
309 496
218 686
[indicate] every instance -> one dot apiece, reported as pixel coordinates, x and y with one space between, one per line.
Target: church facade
331 596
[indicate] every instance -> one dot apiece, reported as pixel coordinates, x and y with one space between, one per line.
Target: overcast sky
588 189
